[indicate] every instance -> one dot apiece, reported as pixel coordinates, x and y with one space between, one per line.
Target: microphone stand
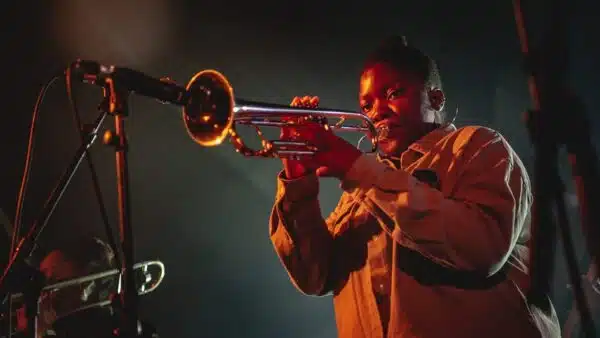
563 123
19 275
115 103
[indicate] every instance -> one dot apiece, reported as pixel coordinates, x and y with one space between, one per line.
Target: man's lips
384 128
387 124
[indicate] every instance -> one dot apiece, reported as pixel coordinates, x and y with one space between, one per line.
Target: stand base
97 323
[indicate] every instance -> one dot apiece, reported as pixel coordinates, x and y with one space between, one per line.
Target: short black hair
395 51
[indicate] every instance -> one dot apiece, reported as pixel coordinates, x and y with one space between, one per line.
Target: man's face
393 100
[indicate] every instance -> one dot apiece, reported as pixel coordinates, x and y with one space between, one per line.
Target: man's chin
392 147
389 148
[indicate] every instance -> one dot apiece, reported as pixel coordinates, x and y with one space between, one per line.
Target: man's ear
437 99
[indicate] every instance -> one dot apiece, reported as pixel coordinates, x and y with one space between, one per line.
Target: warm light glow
118 32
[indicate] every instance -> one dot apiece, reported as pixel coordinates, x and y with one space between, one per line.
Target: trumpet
94 290
212 112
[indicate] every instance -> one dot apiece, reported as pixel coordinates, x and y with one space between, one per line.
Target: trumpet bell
208 114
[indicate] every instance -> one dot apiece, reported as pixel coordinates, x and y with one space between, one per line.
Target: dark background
204 212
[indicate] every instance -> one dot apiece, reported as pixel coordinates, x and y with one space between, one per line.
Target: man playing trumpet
430 237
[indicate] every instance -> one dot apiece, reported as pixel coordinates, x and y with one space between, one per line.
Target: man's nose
381 111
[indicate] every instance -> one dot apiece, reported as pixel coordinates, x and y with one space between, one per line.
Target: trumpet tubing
212 113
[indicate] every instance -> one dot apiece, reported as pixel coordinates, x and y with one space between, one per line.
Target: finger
301 161
314 101
287 131
324 172
296 101
306 101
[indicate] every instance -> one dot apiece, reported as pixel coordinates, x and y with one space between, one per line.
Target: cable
27 169
17 224
24 181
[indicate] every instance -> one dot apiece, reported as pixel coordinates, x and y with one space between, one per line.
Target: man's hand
335 155
295 168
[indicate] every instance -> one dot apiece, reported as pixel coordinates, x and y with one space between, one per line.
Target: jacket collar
422 146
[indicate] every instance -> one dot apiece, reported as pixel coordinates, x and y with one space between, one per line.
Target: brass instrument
212 112
93 290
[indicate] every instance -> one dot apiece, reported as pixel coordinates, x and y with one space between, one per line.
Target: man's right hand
295 168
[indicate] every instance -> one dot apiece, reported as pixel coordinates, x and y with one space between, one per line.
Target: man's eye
393 94
366 107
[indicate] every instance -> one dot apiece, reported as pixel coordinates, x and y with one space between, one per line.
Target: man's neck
395 157
429 127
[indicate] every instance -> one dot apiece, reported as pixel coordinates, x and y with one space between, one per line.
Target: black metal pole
116 104
19 275
28 243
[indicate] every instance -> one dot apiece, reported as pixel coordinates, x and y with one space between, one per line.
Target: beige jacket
439 238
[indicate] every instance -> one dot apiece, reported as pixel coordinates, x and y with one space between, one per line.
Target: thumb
324 172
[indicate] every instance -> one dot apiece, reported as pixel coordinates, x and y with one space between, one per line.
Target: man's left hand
335 156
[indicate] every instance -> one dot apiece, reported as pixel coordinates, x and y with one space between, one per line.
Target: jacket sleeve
302 238
475 226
